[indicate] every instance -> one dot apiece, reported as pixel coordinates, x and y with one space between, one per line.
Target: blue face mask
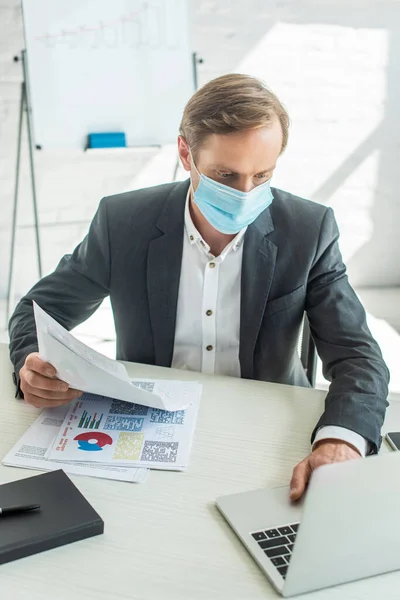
229 210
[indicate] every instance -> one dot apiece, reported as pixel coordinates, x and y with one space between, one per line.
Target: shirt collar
195 237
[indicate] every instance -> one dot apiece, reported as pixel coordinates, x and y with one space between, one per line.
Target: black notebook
64 516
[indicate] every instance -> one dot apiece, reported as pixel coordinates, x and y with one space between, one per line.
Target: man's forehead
242 152
226 167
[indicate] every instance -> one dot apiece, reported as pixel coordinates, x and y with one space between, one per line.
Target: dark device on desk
393 439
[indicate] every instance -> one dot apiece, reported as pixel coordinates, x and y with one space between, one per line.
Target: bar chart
88 421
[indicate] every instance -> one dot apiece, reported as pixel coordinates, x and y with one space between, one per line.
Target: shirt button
191 238
209 348
209 313
212 265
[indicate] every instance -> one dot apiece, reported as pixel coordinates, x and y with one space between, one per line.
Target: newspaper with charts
113 432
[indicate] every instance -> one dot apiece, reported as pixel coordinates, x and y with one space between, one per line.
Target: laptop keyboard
278 545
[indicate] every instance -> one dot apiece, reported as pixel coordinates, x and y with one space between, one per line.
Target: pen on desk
14 510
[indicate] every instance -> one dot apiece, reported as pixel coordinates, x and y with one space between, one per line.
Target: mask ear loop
195 168
193 163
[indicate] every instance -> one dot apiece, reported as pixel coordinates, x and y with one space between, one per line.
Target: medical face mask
229 210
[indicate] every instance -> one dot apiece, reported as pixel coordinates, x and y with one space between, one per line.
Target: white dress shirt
208 315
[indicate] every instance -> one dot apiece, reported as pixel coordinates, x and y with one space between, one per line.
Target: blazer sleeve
351 358
70 294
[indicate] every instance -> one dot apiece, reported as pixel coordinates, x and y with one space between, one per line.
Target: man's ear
184 154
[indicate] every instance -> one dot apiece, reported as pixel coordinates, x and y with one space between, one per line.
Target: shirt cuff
346 435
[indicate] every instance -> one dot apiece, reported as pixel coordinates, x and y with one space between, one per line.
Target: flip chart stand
25 106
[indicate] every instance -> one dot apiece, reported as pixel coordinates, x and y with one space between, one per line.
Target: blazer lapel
163 274
258 266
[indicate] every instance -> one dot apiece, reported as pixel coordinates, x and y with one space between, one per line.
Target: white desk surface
165 539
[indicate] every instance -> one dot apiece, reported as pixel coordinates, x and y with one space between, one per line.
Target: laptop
346 528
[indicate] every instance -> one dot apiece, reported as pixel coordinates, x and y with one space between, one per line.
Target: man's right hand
41 387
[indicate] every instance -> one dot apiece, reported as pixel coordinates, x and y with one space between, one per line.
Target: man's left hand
325 452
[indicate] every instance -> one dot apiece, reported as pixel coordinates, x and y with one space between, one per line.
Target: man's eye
225 175
263 176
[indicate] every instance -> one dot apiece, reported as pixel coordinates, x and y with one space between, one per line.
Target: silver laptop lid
350 526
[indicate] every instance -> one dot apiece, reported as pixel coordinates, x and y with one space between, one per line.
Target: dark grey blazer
291 264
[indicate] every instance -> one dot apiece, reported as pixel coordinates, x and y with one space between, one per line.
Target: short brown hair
233 102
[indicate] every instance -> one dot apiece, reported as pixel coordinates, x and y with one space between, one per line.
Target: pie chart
93 441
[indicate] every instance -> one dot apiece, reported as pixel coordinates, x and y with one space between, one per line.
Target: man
214 275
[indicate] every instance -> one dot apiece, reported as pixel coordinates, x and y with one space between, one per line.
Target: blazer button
209 348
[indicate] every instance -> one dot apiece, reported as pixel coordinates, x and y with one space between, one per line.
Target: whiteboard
106 66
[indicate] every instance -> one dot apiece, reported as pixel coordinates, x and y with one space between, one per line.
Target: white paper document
29 452
85 369
103 430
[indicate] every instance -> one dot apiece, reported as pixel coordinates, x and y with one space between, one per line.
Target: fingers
35 380
45 399
325 452
34 363
41 387
301 475
66 396
39 402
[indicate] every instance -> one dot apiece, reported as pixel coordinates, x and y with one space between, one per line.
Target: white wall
336 66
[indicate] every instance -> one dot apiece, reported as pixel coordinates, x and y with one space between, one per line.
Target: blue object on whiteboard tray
106 140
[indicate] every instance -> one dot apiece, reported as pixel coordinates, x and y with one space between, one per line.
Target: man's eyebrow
225 168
